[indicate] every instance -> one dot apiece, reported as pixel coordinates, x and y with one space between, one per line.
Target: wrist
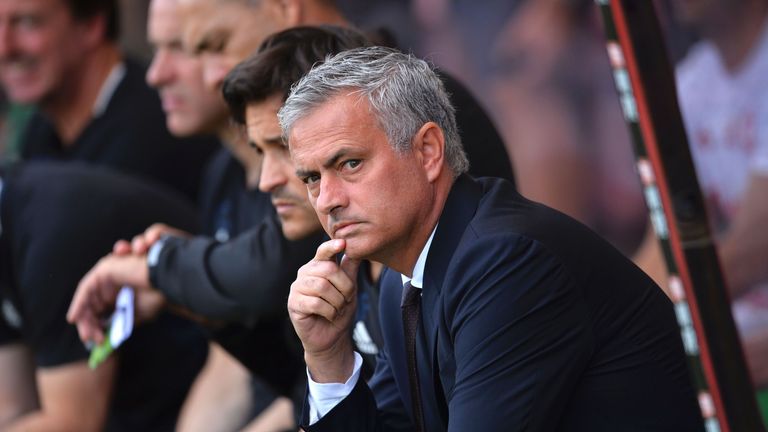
153 260
334 365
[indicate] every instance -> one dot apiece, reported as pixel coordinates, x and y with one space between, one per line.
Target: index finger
328 250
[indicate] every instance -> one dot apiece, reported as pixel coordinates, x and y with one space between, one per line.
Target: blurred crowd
132 155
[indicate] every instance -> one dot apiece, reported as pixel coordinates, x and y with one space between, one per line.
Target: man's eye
213 44
352 163
310 180
255 148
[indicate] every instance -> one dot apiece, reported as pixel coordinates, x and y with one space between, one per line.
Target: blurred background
540 70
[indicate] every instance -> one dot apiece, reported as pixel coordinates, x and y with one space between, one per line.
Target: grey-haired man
498 313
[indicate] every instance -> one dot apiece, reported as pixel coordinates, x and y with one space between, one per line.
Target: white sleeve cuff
323 397
153 254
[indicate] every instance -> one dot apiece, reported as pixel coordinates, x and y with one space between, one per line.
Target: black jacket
529 322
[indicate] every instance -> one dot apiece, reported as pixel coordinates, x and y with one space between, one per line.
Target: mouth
343 229
283 206
17 68
171 103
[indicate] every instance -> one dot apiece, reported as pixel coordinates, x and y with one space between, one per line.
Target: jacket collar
459 209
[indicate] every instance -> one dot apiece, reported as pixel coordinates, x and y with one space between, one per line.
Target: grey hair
404 93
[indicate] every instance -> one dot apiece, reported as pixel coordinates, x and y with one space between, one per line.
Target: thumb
350 266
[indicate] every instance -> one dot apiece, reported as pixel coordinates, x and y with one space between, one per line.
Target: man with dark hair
93 104
57 220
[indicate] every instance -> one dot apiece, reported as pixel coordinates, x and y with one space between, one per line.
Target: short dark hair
87 9
281 60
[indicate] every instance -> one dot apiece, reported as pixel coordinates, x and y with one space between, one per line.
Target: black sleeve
61 219
356 412
267 350
246 279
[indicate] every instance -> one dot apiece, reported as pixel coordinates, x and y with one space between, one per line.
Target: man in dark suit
527 321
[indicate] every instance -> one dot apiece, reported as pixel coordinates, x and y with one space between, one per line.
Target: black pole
646 85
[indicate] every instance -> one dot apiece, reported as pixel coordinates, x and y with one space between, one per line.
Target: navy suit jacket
529 322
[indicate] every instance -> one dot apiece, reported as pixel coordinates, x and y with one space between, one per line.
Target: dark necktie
411 306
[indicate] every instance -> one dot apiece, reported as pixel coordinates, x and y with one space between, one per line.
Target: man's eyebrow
330 162
301 173
271 141
335 158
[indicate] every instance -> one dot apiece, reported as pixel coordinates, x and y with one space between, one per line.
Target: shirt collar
108 89
418 270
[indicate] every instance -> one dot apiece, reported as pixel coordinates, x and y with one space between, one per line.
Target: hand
97 291
322 305
142 242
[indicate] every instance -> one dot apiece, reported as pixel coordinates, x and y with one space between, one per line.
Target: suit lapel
459 209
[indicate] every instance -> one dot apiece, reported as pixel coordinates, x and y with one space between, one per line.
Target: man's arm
18 390
72 398
519 330
97 291
244 280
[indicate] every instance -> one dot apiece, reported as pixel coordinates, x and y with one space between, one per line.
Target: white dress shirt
324 396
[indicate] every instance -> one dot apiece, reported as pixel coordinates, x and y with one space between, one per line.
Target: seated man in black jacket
57 220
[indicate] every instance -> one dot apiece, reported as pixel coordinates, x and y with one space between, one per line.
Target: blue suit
529 322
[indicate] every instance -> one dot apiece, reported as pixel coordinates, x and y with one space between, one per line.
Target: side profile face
278 177
190 107
362 190
223 33
41 46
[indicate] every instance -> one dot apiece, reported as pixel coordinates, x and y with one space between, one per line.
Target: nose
273 174
160 72
331 195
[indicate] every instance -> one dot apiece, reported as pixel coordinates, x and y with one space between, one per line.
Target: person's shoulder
507 226
502 211
133 97
504 224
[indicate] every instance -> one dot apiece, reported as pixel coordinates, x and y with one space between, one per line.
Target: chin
23 95
178 128
358 249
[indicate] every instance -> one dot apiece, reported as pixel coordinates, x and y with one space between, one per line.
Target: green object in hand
100 353
120 328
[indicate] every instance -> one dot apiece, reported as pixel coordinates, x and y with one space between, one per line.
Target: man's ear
289 13
429 146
